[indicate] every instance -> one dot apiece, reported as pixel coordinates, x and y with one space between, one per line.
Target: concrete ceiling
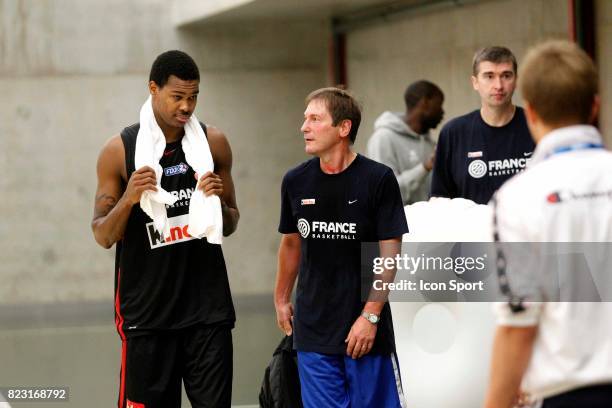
221 11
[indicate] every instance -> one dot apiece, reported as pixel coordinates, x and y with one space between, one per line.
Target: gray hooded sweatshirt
393 143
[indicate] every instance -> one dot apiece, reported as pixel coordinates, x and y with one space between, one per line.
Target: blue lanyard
577 146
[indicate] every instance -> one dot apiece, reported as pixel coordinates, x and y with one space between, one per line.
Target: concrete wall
73 73
256 78
603 24
438 46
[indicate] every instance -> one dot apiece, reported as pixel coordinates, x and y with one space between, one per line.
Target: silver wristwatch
370 317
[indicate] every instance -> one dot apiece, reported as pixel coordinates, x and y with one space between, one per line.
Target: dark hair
341 105
559 80
495 55
175 63
419 90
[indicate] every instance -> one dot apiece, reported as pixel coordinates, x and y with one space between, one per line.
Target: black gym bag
281 384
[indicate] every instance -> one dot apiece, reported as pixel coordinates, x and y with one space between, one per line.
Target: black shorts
596 396
152 367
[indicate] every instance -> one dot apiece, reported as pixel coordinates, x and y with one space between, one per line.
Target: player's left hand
360 338
210 183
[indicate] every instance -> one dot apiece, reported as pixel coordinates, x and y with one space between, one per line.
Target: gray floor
77 346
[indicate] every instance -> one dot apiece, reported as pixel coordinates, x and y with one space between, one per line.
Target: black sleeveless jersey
168 282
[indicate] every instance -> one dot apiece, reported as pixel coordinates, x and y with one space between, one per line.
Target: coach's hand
361 338
141 180
284 317
210 183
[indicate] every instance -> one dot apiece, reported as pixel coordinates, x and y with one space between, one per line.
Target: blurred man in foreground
558 352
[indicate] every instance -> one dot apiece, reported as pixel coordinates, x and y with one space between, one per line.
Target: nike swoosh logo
527 154
352 202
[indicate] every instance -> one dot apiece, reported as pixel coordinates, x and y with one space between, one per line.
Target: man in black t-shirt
173 307
479 151
330 205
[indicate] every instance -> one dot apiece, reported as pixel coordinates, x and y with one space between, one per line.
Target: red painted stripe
119 324
122 386
118 316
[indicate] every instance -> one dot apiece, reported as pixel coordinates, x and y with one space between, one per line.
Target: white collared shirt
565 195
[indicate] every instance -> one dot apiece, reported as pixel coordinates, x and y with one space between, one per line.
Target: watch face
371 317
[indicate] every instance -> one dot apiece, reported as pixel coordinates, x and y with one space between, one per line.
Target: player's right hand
140 181
284 318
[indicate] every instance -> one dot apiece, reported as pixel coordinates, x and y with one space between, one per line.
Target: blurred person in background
403 141
479 151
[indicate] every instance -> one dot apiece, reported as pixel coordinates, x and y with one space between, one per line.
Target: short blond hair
559 81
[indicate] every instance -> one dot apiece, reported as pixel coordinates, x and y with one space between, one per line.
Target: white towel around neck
205 218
